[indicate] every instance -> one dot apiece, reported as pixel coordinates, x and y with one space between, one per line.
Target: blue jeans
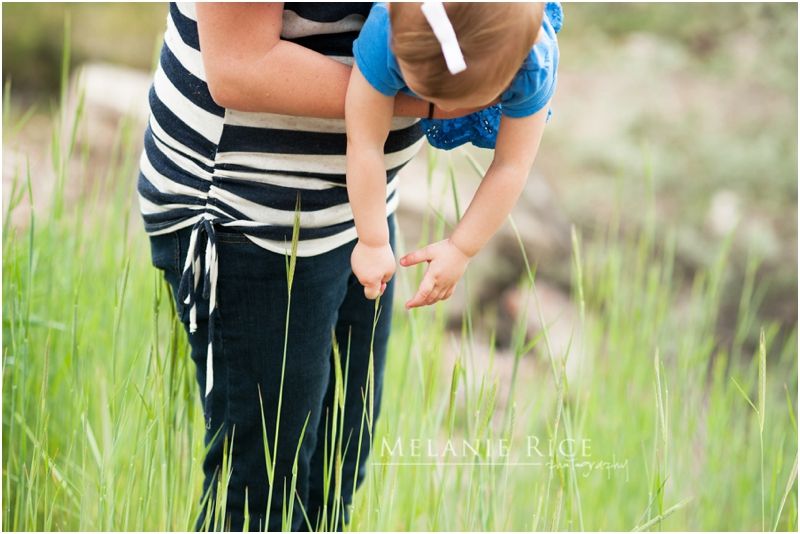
248 347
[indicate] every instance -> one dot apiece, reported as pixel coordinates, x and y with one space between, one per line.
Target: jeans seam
227 237
219 327
176 240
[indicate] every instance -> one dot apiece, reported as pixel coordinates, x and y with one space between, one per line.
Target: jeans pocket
165 252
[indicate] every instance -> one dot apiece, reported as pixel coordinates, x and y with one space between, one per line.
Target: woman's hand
446 265
374 266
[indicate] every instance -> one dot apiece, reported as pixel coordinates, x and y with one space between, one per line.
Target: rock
20 158
724 212
113 91
560 316
112 94
762 239
495 371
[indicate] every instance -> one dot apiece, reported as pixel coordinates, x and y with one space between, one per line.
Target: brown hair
494 37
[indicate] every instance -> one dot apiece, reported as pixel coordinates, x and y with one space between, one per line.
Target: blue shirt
529 91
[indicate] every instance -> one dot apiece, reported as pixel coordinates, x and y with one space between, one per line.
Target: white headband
437 17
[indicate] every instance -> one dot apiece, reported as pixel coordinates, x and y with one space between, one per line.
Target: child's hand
373 266
446 264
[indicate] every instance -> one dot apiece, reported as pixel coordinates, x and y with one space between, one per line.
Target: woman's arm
368 120
517 144
249 68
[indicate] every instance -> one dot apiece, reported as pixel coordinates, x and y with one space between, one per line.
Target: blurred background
673 136
691 111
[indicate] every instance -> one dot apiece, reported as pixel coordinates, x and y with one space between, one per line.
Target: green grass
102 426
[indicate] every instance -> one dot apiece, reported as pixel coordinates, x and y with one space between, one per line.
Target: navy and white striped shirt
243 169
205 166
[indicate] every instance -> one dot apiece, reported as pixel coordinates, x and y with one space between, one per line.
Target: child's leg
355 320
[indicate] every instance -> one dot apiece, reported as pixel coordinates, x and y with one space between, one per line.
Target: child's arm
517 144
368 117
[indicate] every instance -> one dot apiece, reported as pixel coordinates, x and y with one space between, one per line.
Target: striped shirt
206 166
244 169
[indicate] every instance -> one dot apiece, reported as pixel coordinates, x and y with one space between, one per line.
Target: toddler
499 56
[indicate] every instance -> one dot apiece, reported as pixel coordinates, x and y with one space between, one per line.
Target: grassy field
666 427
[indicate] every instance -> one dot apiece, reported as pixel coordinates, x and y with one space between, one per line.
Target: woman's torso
246 170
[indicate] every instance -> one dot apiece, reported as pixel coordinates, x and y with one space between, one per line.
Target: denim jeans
248 356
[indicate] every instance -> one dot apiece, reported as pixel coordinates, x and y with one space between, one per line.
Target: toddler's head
494 38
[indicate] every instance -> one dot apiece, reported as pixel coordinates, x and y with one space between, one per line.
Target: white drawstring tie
191 276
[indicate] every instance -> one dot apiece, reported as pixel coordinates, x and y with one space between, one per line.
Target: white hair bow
437 17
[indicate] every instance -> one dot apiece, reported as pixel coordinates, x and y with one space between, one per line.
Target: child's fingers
418 256
372 291
434 296
447 292
385 281
425 289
